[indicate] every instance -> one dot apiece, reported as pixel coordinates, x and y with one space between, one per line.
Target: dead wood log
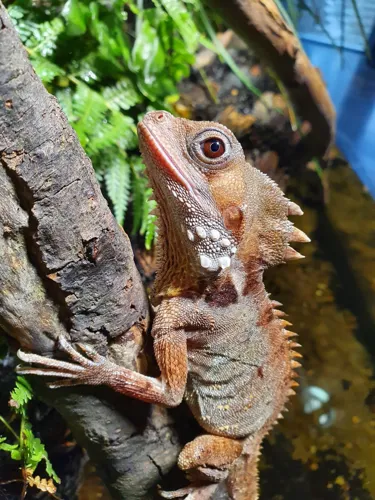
260 24
66 267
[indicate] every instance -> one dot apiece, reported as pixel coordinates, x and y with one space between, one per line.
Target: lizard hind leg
208 457
206 461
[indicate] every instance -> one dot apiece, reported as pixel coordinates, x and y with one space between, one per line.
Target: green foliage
21 395
108 62
27 448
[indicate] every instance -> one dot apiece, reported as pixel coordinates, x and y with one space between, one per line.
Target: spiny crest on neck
215 208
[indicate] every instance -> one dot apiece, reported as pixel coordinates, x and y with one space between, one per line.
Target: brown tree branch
260 24
66 267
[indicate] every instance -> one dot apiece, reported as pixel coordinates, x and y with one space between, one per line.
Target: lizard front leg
89 368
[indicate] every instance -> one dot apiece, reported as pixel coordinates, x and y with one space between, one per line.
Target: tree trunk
66 267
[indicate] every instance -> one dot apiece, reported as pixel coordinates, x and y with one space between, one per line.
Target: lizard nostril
160 117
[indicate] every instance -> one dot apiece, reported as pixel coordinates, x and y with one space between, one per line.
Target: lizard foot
191 492
89 368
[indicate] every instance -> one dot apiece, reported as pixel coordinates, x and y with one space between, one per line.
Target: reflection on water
325 446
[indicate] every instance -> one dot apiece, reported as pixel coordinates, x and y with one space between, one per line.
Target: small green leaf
35 452
21 395
65 100
139 186
16 454
44 38
184 23
6 446
75 13
123 95
117 181
45 69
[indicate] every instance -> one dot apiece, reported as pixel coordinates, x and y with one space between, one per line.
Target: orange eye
213 148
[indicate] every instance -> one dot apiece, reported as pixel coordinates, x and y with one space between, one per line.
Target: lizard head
214 206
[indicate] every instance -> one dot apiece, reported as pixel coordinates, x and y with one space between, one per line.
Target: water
325 446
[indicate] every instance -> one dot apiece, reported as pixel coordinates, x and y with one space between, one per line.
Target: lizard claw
87 368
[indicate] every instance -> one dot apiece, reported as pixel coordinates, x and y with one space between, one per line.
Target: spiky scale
290 334
285 323
291 254
295 364
279 314
294 209
296 354
299 236
294 344
276 303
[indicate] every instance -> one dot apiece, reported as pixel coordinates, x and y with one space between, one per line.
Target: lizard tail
243 479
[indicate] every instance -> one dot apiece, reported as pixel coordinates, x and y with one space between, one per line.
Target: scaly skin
219 340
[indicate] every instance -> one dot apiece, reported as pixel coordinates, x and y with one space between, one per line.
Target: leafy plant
27 448
108 62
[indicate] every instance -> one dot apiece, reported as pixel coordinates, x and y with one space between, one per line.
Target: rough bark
260 24
66 267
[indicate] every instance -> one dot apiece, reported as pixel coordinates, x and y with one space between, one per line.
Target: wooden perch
66 267
260 24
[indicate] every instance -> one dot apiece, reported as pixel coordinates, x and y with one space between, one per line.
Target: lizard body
219 341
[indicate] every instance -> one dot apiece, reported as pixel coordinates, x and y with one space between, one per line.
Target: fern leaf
45 69
150 232
118 130
65 100
117 181
6 446
21 395
123 95
25 27
148 227
35 452
139 186
89 109
44 37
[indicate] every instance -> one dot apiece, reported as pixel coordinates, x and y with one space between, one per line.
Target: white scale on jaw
214 245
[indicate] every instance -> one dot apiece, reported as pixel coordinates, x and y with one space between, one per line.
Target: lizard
220 342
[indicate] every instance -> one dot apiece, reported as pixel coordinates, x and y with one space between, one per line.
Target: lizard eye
213 147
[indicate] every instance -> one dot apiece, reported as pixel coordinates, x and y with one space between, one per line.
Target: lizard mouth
162 158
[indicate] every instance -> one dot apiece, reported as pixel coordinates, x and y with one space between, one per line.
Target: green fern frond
35 452
148 227
66 102
150 234
26 28
138 188
21 395
44 38
89 109
117 182
117 130
123 95
45 69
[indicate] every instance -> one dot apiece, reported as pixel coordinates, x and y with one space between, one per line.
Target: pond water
324 448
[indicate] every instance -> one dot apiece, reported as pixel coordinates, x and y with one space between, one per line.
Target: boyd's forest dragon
219 341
